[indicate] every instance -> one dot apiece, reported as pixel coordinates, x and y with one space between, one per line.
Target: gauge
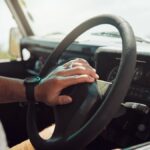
138 74
112 74
148 77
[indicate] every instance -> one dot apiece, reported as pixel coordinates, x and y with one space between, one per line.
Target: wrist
30 88
37 93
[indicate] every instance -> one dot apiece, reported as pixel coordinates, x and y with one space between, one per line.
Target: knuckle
82 78
75 64
80 69
77 59
82 60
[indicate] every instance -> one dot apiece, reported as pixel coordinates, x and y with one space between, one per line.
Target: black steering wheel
77 124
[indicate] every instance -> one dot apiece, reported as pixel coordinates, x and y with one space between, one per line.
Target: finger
63 99
72 80
77 60
84 65
81 60
79 70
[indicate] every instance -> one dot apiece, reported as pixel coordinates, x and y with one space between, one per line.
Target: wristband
30 83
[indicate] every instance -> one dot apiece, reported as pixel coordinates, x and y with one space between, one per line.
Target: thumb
64 99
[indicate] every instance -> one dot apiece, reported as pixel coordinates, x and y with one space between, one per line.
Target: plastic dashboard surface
107 61
132 125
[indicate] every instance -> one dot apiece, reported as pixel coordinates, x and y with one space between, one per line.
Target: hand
71 73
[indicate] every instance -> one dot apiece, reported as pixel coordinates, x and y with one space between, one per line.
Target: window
6 24
61 16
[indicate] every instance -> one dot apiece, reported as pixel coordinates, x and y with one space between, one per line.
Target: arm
11 90
49 89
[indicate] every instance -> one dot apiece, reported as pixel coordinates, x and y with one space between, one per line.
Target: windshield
61 16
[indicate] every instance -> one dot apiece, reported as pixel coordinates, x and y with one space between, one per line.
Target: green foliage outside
6 55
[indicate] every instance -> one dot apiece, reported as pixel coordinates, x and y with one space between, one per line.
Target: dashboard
105 59
133 126
139 91
130 123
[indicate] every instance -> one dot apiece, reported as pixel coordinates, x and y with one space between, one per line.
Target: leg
26 145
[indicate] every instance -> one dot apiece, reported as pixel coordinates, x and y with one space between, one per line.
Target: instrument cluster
140 86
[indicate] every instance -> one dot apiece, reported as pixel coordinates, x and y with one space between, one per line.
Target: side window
7 23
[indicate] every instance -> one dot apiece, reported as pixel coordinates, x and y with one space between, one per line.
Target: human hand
71 73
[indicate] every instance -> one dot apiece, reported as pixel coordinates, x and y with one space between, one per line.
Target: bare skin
49 90
73 72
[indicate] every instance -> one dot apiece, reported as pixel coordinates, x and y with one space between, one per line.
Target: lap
26 145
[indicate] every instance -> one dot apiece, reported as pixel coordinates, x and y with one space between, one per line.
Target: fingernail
94 70
68 100
97 76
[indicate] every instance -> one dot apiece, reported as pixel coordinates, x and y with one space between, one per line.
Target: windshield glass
61 16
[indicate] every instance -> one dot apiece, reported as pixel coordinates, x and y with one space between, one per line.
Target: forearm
11 90
49 89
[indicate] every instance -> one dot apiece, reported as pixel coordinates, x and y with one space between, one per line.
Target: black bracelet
30 84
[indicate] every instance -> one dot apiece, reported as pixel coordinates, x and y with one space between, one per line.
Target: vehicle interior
116 42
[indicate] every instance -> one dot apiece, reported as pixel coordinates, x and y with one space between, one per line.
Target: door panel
13 69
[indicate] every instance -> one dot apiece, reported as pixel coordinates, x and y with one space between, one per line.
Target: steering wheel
78 123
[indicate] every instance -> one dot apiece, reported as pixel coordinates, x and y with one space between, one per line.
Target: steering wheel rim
104 113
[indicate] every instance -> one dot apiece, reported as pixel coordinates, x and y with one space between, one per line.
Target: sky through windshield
63 15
